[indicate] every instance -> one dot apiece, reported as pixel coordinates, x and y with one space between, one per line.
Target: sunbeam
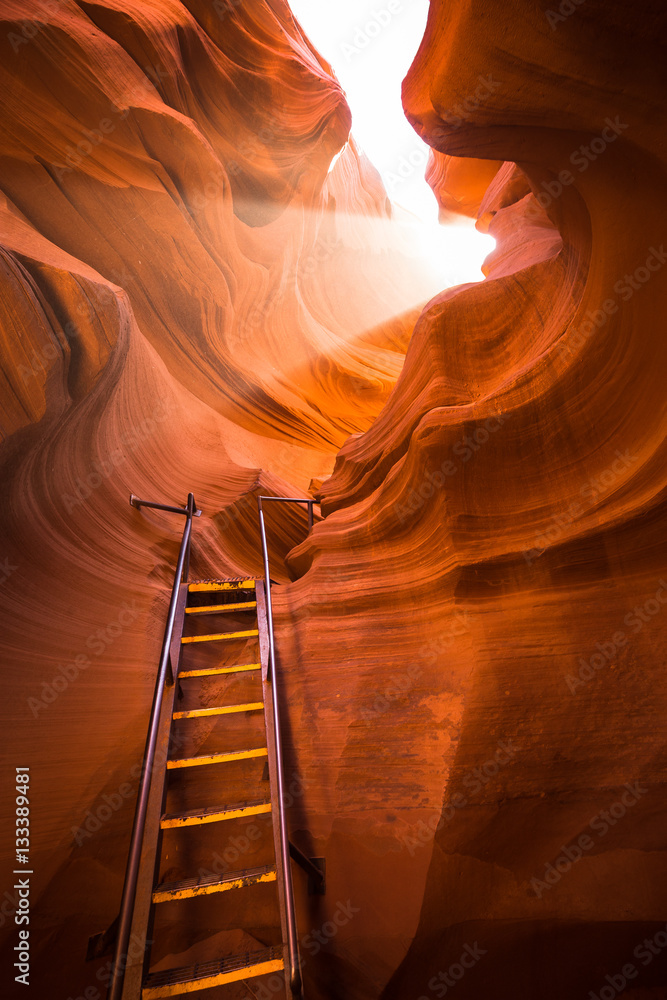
370 47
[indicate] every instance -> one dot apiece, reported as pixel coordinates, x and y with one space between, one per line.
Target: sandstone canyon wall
496 540
191 300
473 641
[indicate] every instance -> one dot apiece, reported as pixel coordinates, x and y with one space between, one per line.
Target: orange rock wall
473 644
489 583
191 300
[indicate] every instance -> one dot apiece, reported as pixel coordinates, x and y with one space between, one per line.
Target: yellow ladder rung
205 982
210 609
222 635
213 586
214 815
212 671
216 758
202 713
167 893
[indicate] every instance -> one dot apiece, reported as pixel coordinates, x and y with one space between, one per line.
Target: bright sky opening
371 46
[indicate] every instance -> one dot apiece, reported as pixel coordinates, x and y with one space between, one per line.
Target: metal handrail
292 938
310 503
134 857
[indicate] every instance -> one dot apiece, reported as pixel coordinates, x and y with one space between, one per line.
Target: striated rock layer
192 298
489 584
473 645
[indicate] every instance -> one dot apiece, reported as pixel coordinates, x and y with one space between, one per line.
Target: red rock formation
494 542
472 647
173 254
458 184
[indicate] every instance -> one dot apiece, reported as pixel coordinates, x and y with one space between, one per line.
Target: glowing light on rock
371 46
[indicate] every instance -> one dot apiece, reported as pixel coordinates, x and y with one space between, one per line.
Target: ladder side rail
164 676
292 936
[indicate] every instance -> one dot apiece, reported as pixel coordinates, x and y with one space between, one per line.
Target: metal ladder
200 664
203 599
